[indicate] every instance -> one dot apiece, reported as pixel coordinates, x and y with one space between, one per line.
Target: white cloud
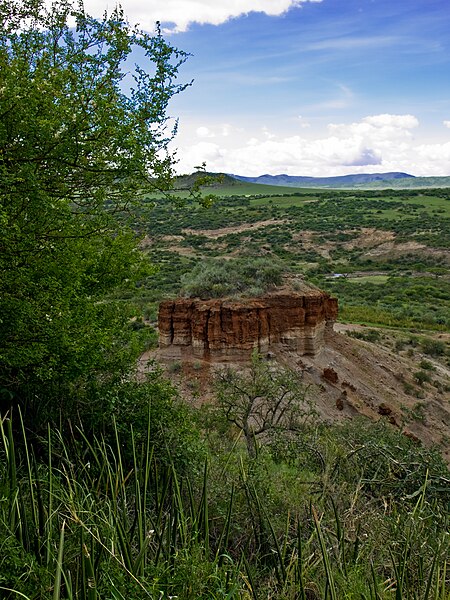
204 132
304 124
226 129
377 143
201 152
395 121
378 127
353 43
181 13
447 123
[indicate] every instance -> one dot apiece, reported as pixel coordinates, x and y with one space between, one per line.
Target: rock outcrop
221 330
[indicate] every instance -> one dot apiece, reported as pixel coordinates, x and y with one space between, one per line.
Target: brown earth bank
217 233
348 378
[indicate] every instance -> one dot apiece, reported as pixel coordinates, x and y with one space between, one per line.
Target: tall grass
78 522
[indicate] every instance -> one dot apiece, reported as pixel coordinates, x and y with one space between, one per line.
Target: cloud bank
177 15
377 143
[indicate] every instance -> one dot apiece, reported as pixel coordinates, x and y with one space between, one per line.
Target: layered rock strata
221 330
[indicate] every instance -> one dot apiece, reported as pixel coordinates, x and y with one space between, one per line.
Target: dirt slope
351 377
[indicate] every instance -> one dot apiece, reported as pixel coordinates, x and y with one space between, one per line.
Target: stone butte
229 330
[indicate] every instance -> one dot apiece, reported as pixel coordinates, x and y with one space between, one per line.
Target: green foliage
266 402
113 503
422 377
427 365
77 153
358 509
84 523
433 347
371 335
147 407
233 277
320 233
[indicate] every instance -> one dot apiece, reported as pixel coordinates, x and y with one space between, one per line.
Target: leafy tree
266 401
82 140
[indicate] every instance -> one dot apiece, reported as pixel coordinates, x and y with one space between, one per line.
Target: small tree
265 401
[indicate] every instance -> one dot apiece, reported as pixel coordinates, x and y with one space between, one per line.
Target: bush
433 347
371 335
150 408
422 377
236 277
427 365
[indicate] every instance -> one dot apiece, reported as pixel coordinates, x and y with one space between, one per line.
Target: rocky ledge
221 329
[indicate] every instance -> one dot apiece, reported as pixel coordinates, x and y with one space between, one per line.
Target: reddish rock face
231 330
330 375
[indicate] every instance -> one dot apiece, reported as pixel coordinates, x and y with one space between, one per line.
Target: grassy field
376 279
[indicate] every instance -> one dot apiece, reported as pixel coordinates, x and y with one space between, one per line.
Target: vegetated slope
224 185
385 255
407 387
368 181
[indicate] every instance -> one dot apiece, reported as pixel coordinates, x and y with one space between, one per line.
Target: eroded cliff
221 330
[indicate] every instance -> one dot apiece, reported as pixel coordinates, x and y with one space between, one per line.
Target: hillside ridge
342 180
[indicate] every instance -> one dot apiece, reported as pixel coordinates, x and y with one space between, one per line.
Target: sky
308 87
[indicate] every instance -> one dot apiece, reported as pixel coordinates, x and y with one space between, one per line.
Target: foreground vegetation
354 512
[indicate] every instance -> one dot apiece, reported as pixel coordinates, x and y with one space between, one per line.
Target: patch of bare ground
311 240
146 242
305 237
217 233
172 238
376 380
183 250
377 243
368 238
393 250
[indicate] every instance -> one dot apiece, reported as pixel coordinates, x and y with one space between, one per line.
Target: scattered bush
371 335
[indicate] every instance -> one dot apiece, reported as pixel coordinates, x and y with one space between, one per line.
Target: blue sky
324 87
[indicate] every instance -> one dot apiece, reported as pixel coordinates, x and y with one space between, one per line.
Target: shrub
433 347
371 335
236 277
421 377
150 406
427 365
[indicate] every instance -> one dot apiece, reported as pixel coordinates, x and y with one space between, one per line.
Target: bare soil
217 233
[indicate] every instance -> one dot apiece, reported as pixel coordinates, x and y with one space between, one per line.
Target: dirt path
217 233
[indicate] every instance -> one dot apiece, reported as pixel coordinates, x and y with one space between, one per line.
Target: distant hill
345 181
410 183
213 180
